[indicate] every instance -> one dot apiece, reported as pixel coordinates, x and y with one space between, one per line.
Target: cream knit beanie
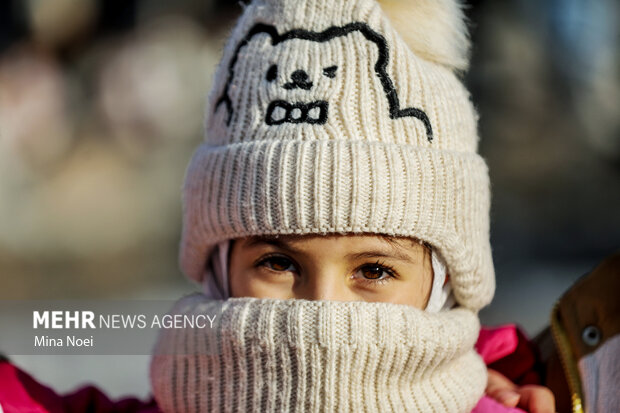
324 118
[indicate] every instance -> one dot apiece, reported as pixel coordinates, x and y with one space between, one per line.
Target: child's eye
375 273
278 263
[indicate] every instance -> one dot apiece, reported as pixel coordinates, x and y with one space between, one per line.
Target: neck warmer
269 355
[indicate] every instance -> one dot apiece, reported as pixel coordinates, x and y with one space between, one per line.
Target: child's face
335 267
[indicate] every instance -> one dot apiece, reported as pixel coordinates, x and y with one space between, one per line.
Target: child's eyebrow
276 242
413 242
374 254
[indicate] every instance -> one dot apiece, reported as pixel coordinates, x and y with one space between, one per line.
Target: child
338 217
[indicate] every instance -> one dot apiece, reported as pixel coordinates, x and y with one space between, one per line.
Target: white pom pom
434 29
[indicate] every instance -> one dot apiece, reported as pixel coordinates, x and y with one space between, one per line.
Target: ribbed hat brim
327 186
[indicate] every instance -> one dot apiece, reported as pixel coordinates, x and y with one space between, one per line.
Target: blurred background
101 106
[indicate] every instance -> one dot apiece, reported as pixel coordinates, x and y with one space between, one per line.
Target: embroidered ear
435 30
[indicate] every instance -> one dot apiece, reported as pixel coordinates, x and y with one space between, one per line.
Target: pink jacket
21 393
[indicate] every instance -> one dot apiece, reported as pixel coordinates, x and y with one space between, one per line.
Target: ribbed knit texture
318 356
369 163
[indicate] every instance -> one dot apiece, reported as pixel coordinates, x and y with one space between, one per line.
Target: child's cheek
262 283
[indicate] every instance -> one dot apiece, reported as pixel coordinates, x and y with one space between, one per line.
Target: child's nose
326 286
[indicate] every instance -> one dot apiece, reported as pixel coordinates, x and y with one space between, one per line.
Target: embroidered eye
330 72
272 73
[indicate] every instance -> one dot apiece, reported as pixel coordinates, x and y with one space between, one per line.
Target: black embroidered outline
330 71
321 37
299 80
304 108
272 73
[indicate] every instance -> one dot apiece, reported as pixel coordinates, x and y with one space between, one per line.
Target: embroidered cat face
300 78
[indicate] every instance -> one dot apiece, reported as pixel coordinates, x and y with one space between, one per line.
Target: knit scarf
270 355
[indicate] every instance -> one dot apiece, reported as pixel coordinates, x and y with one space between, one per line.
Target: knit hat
324 118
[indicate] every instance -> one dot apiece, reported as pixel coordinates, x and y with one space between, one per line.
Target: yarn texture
323 120
329 117
268 355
